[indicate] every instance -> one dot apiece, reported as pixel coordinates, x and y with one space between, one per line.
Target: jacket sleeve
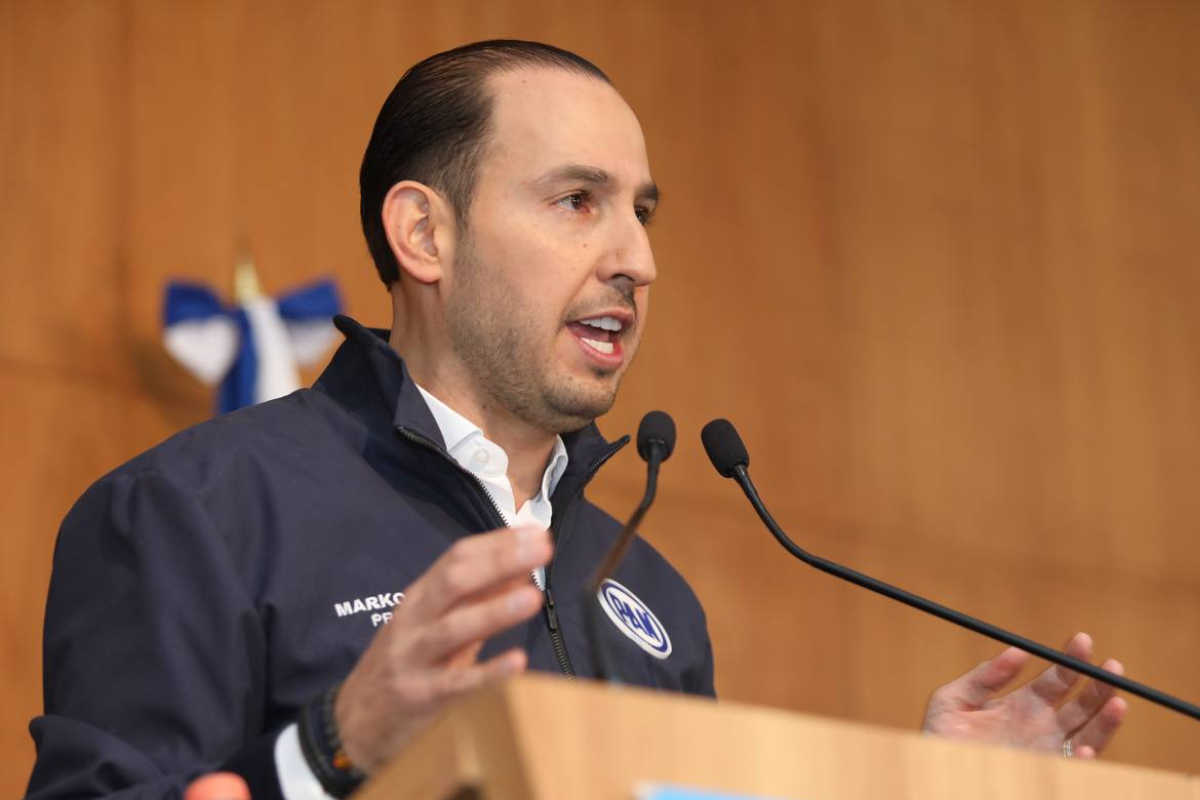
154 650
704 685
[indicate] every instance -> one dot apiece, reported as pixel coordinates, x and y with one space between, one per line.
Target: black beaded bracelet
322 746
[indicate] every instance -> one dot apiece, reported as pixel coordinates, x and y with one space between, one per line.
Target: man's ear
419 225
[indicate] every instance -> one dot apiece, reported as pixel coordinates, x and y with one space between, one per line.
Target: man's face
550 285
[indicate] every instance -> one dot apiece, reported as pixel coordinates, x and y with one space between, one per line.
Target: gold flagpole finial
245 281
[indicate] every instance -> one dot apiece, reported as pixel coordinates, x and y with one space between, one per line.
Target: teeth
604 323
603 347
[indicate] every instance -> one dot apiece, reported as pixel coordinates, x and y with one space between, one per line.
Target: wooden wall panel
61 121
937 261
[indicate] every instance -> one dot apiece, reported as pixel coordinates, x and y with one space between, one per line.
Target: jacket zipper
431 445
556 637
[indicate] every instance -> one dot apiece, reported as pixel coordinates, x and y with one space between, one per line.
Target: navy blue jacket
205 590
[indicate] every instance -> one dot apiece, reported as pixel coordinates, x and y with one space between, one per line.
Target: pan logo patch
634 619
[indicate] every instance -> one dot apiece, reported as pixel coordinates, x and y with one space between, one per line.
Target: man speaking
295 590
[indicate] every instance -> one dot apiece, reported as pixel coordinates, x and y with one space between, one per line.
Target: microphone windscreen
657 426
724 447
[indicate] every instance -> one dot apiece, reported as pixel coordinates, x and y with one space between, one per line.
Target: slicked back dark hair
434 128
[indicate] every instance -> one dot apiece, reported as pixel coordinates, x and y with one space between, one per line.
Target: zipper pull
551 614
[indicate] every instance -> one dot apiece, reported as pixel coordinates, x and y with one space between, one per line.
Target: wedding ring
1068 748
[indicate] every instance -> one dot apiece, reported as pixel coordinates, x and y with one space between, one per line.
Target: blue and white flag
253 347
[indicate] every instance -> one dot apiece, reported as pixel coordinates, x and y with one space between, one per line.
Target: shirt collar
454 427
459 434
556 468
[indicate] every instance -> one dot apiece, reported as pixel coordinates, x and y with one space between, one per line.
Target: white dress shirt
488 462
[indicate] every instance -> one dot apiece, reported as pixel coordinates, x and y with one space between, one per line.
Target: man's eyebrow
593 176
649 191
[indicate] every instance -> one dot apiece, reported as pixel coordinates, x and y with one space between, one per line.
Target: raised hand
426 655
1037 716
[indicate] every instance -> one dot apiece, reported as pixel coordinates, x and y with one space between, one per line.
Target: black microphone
655 443
729 457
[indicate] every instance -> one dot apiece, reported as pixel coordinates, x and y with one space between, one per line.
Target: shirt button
482 456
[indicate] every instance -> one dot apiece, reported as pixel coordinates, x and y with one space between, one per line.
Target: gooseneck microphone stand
655 443
730 458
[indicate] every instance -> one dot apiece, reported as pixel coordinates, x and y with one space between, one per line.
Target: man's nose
629 258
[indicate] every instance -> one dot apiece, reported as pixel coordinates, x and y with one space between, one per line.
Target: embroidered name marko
377 603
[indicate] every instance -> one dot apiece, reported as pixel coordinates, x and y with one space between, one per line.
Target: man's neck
528 448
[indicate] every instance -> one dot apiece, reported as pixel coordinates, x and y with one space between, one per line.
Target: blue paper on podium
659 792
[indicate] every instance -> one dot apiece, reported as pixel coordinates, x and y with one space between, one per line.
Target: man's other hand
426 655
1037 716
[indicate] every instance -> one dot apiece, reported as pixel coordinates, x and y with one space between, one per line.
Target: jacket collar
586 448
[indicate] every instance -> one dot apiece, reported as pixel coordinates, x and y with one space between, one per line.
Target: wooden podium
545 737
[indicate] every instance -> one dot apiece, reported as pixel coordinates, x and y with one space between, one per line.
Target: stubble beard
496 340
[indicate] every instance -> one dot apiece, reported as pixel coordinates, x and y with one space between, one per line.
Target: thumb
974 688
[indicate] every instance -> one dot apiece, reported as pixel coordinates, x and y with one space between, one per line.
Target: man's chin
577 407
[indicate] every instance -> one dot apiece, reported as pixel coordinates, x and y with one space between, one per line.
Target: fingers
974 688
375 726
455 682
427 654
1038 715
1075 714
476 564
471 623
1093 717
465 657
1096 734
1053 685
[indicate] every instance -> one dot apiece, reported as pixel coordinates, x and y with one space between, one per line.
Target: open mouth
600 337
